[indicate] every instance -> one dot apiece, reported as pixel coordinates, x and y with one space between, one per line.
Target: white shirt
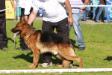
95 2
54 11
20 3
74 4
26 4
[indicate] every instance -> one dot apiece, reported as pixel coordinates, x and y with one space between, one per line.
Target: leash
7 8
14 38
4 10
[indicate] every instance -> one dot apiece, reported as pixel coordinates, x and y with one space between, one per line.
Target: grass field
98 52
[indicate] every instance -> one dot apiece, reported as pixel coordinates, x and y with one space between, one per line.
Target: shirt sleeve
61 1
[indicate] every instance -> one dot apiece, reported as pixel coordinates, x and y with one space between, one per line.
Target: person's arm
86 2
32 17
13 3
102 2
69 10
33 14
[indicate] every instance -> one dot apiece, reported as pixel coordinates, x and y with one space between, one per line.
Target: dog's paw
32 66
60 65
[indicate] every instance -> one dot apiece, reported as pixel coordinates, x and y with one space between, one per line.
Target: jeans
107 15
96 14
100 10
85 14
78 32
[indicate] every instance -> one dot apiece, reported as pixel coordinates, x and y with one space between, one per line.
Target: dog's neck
26 34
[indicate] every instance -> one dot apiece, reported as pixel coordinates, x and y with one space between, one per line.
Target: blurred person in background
108 11
3 34
23 9
97 11
85 14
77 12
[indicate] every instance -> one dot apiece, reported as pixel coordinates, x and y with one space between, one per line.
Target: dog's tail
70 55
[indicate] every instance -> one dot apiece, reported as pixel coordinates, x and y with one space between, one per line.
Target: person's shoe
81 48
97 21
4 49
44 64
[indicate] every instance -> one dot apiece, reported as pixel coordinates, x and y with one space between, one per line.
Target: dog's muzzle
15 30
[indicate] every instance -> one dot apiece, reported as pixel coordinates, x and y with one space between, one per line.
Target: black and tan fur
41 42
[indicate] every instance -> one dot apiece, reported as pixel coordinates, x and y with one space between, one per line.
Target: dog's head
19 27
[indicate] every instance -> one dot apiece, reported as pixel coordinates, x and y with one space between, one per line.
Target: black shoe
4 49
81 48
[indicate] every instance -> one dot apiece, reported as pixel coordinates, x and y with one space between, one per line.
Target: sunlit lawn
98 52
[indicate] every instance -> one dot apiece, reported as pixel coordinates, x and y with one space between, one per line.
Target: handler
23 9
54 17
76 12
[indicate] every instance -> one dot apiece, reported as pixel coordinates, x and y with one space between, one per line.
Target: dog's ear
23 22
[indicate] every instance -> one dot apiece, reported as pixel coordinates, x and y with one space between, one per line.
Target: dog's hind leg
36 55
73 58
68 53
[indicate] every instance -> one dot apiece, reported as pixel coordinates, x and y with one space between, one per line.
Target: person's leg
100 10
94 12
3 36
78 32
63 30
107 14
23 45
47 26
18 13
84 17
47 57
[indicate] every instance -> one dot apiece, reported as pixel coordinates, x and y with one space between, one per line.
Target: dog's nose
13 30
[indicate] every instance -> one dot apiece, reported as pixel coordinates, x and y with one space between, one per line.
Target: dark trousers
61 27
3 36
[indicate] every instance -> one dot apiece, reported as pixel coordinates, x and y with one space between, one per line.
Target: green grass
98 52
99 73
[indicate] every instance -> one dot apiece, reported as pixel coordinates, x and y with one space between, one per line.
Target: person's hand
70 20
81 11
14 8
83 8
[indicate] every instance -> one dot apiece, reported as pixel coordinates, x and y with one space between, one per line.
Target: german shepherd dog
42 42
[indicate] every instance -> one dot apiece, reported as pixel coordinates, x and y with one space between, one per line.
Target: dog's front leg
78 59
36 54
66 63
